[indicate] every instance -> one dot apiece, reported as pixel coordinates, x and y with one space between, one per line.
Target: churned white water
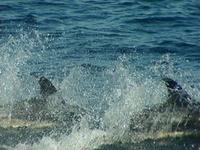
113 93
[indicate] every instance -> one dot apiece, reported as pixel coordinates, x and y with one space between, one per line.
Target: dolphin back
176 94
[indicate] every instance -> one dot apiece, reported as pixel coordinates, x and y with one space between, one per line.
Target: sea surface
104 55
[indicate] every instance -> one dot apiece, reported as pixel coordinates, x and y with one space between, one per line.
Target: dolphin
36 108
180 112
31 119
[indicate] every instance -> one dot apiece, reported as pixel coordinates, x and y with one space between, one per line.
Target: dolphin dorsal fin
176 93
46 87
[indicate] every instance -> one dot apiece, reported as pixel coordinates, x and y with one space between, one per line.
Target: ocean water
106 56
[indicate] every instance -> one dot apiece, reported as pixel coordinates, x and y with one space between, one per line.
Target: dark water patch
166 144
9 21
30 19
111 35
19 22
126 50
47 4
188 47
103 2
155 49
94 17
167 42
58 47
5 8
143 30
194 57
161 50
144 7
177 45
70 56
127 3
195 13
52 21
157 19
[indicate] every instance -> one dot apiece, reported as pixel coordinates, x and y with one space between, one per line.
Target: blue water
145 40
94 31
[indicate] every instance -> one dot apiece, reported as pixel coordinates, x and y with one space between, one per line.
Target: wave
112 92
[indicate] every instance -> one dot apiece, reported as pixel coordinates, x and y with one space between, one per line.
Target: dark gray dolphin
182 101
179 112
176 94
33 118
36 107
